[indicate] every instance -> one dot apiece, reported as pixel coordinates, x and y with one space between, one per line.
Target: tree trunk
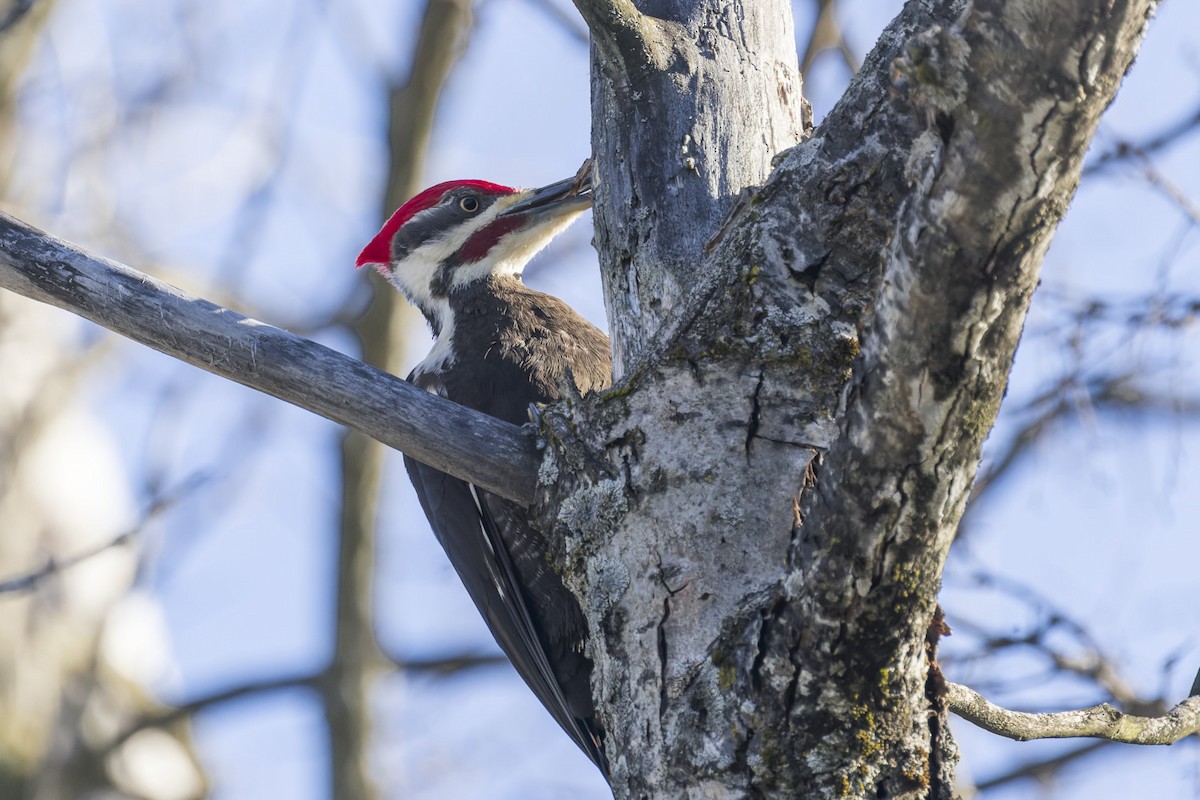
702 94
757 515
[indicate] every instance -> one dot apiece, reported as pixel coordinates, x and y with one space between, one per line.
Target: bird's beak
566 195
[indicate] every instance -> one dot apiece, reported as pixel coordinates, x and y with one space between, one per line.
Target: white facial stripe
414 275
513 252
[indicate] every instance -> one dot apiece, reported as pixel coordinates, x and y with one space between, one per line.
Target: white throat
418 274
441 355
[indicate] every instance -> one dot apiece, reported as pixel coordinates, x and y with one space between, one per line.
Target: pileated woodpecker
456 251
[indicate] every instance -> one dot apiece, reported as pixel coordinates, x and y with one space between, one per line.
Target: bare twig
1100 722
1168 188
1052 406
170 716
1084 658
827 35
567 22
492 454
1065 398
32 580
1124 150
276 128
1042 768
447 665
382 333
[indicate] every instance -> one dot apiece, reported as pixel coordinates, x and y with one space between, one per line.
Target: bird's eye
469 205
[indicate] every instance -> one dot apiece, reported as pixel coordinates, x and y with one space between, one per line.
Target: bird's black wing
463 519
513 347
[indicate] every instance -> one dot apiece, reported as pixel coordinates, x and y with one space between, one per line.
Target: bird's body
457 251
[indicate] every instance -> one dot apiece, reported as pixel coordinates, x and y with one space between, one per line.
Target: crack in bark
627 447
742 764
662 656
1043 126
935 692
662 636
631 488
879 573
765 629
755 410
1043 129
789 691
807 275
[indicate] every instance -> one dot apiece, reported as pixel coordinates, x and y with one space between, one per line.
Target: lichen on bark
758 514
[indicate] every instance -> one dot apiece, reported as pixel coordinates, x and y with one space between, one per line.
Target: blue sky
1099 519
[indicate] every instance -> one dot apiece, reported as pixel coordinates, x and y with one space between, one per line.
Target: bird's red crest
379 249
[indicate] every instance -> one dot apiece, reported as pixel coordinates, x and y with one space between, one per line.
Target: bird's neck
465 308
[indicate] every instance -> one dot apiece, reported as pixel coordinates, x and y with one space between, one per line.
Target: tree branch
617 23
1042 769
30 581
1099 722
827 34
492 454
381 333
437 667
1124 149
567 22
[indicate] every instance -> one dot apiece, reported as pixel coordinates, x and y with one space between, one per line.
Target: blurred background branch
380 334
289 628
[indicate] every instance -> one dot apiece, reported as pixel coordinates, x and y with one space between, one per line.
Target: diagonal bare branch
34 578
1042 769
495 455
31 580
1123 150
621 30
568 23
436 666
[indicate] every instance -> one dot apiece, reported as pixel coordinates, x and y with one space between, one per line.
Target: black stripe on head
440 285
432 223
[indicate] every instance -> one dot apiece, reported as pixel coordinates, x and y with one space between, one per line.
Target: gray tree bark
691 100
757 515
